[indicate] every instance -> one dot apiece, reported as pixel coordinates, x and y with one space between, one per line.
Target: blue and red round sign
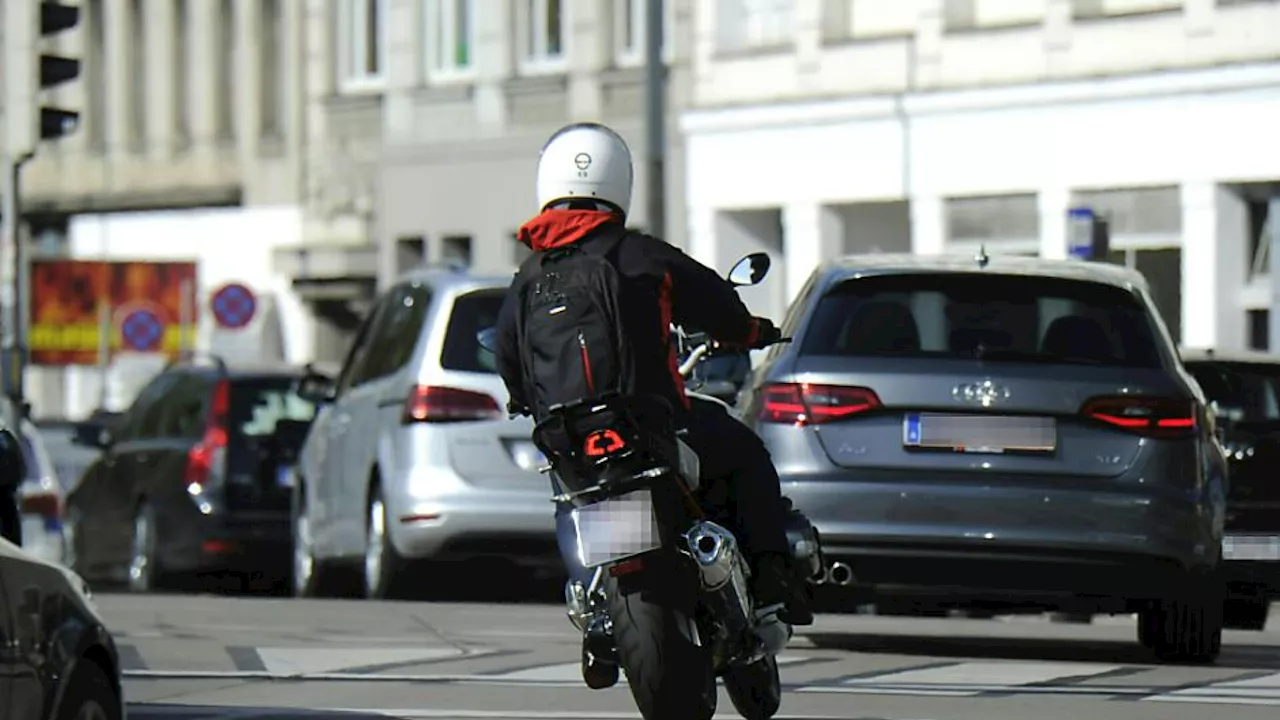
142 331
234 305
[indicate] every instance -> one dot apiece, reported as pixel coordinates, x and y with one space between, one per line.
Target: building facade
469 90
825 127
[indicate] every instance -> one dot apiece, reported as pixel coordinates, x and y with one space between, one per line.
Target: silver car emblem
985 393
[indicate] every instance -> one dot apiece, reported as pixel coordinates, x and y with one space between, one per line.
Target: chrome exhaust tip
840 574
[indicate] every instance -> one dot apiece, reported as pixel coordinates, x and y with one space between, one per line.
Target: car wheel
1184 628
89 695
143 569
382 564
1246 613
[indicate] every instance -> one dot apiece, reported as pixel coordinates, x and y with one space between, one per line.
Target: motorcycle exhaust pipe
840 574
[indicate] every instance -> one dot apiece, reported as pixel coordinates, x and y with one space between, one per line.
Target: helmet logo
582 161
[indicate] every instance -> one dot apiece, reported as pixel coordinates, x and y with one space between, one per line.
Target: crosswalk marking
305 661
1264 690
572 672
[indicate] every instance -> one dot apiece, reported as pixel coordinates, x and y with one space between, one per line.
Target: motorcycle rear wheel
670 676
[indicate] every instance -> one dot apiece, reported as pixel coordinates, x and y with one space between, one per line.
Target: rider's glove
766 333
516 408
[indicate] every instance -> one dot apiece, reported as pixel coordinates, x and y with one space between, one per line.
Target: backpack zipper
586 363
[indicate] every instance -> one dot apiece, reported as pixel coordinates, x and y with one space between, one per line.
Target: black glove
766 333
516 408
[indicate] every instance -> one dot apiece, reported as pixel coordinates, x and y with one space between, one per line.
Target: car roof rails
193 356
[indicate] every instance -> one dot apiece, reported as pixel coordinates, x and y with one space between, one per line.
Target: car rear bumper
260 541
460 520
1001 542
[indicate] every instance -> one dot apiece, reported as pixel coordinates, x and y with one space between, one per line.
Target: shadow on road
979 648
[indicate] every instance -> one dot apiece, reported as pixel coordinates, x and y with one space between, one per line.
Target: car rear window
991 317
472 313
259 404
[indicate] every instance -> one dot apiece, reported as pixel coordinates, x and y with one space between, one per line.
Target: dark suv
195 476
1245 388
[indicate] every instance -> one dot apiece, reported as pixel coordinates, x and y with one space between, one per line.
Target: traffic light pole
16 325
655 118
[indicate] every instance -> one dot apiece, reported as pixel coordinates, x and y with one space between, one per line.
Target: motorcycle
668 600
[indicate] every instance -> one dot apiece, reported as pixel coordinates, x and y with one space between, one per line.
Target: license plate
284 476
1251 547
979 433
616 529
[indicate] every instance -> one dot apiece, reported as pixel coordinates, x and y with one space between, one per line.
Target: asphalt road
198 657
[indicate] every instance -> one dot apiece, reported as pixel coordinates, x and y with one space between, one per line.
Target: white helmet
585 160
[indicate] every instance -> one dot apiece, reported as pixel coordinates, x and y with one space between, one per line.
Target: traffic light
29 71
56 70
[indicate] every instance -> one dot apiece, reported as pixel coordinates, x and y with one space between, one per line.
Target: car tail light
434 404
44 504
810 404
1150 416
207 460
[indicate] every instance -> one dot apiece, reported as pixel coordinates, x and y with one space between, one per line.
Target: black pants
736 468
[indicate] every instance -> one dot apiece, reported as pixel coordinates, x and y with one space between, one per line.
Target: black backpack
572 342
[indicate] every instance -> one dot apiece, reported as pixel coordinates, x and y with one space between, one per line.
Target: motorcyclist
584 186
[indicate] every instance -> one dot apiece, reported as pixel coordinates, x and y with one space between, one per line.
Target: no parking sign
233 305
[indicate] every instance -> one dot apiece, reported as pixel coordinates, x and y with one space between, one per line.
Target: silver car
41 499
412 455
999 433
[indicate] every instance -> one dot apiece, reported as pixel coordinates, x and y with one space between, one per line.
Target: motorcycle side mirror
750 270
488 339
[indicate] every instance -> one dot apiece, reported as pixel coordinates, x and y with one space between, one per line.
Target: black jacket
661 285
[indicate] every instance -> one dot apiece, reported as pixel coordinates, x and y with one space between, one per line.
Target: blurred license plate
1251 547
616 529
284 476
979 433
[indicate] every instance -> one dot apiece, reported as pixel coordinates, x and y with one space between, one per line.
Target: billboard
143 300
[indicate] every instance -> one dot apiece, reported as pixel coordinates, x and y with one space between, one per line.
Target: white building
824 127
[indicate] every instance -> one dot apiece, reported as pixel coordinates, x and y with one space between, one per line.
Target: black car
194 478
1245 387
58 659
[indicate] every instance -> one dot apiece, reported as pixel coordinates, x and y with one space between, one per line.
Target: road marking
571 673
1264 690
313 660
198 712
968 679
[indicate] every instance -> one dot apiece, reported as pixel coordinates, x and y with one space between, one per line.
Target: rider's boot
599 656
775 585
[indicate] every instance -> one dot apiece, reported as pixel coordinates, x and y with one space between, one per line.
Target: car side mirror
750 270
91 433
316 388
13 464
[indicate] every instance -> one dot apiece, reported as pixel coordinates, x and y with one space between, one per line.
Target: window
362 27
631 22
396 334
744 25
184 411
358 355
450 34
137 53
182 71
95 75
258 405
456 250
544 42
272 45
226 92
472 313
995 318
